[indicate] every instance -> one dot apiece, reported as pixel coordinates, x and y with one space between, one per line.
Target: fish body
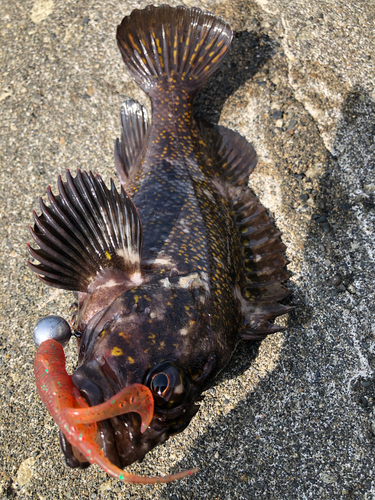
181 265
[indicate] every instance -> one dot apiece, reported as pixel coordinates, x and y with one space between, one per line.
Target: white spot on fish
136 278
109 284
209 195
185 281
160 261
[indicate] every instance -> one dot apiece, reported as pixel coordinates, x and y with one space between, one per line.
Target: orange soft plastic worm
77 420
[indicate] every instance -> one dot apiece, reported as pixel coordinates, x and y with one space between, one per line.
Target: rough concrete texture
292 417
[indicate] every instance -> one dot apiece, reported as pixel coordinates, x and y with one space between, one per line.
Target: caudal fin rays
179 45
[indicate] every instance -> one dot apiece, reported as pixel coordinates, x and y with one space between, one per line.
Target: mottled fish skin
167 313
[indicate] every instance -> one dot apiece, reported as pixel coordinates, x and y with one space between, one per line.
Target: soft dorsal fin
134 133
160 44
86 229
235 157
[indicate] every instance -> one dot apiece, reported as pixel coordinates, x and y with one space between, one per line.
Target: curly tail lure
77 420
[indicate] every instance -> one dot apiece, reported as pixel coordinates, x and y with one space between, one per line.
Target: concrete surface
293 417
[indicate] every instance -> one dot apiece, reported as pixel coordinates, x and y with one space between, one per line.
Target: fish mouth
119 437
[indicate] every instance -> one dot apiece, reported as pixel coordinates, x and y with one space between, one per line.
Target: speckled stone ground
292 417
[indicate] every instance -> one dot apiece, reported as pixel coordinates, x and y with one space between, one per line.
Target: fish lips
120 437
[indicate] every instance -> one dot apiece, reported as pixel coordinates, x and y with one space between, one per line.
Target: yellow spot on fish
126 336
131 360
116 351
108 255
223 50
134 44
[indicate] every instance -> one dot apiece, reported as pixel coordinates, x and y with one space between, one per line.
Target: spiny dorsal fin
262 261
87 228
165 43
235 158
134 128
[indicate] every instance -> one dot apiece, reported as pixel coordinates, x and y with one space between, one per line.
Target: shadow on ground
249 51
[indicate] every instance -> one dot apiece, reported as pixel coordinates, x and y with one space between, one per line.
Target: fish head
155 335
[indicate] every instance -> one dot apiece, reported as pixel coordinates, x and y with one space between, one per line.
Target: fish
171 272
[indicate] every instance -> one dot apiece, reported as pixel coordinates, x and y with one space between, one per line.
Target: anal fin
86 230
257 316
264 268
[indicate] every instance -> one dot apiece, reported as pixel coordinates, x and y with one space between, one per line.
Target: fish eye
168 384
160 383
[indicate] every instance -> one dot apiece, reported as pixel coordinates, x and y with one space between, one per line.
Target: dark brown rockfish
166 290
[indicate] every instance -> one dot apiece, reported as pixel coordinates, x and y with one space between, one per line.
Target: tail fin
166 44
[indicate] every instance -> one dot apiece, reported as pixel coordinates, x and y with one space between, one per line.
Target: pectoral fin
86 229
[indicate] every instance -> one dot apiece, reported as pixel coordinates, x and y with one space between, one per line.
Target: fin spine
134 136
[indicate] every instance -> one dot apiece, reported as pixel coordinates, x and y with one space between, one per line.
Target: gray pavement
292 417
